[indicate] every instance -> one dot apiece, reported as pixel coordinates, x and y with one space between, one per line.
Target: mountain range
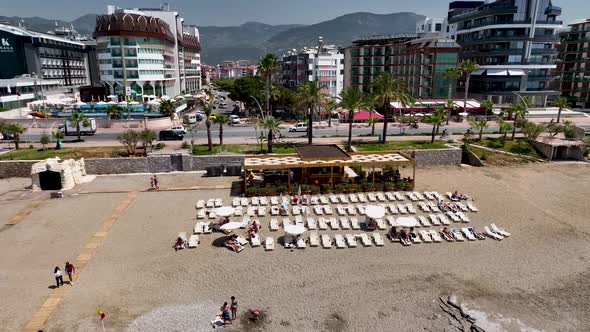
251 40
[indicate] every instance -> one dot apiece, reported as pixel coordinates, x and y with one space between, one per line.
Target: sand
534 280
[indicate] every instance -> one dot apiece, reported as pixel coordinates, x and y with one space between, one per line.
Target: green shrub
305 187
325 188
252 191
340 187
495 143
282 189
185 145
484 155
160 146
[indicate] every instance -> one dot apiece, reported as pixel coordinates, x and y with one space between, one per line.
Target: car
301 126
170 135
7 136
180 129
234 119
212 117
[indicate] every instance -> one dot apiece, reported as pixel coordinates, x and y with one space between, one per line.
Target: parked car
179 129
234 119
170 135
301 126
6 136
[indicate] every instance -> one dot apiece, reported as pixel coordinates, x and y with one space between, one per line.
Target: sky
236 12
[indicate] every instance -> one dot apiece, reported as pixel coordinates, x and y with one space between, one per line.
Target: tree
561 102
387 88
450 74
271 124
146 137
487 105
450 105
244 88
440 113
78 119
479 123
519 111
351 99
221 120
207 105
13 128
168 108
569 130
309 96
58 137
129 139
554 129
44 139
329 106
113 112
267 66
436 119
532 130
466 68
503 127
372 122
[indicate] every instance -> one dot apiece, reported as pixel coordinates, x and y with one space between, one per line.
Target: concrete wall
471 158
438 157
16 169
117 165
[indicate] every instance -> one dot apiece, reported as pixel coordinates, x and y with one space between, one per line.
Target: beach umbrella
299 191
419 114
405 222
231 225
375 211
134 103
294 229
225 211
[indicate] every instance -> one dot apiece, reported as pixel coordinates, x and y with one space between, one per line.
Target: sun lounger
207 228
299 220
314 240
296 210
326 241
236 248
334 199
218 202
392 208
423 221
353 198
411 196
212 215
435 236
312 224
491 234
274 225
462 216
269 243
443 219
198 229
255 241
390 220
471 206
339 240
201 214
381 224
238 212
262 211
411 208
361 209
418 196
255 201
448 237
434 219
362 198
193 241
274 200
398 196
235 202
390 196
478 235
434 207
467 233
200 204
323 224
263 201
318 210
241 240
328 210
457 234
343 198
300 242
402 208
424 207
429 195
350 240
252 211
341 210
378 238
344 223
425 236
499 230
354 223
210 203
286 221
415 238
244 201
365 240
274 210
462 207
449 195
333 222
324 200
285 200
437 196
372 197
454 217
351 210
381 197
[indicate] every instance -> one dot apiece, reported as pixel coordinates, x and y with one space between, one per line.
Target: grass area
496 159
202 150
400 145
518 146
63 153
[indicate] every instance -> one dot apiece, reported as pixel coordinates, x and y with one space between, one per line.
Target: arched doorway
49 180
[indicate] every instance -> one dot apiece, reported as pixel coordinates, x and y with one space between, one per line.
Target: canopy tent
498 72
165 97
471 104
363 115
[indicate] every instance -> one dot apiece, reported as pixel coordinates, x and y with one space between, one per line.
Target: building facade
572 76
420 62
143 52
514 42
430 25
307 65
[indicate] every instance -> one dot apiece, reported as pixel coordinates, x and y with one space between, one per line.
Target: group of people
405 237
228 313
70 270
180 244
455 196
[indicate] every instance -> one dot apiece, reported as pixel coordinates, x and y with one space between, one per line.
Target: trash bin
58 144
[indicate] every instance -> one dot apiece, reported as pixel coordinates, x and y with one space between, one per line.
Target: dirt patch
335 322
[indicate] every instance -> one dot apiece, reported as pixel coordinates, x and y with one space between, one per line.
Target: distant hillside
33 23
85 24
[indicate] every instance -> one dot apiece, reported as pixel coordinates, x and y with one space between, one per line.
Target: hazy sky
235 12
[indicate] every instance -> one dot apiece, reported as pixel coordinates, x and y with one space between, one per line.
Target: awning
497 72
516 72
478 72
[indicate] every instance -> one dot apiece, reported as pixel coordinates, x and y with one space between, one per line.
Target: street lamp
526 107
260 107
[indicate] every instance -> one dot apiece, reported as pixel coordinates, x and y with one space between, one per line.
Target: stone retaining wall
16 169
471 158
438 157
117 165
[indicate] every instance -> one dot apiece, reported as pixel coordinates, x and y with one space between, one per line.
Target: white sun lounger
323 224
269 243
429 195
390 220
362 198
200 204
462 216
499 230
334 199
235 202
457 234
339 240
491 234
438 196
326 241
252 211
423 221
218 202
425 236
398 196
244 201
193 241
424 207
255 201
274 210
314 240
201 214
350 239
435 236
372 197
296 210
351 210
361 209
353 198
207 228
262 211
285 199
255 241
454 217
263 201
390 196
198 229
318 210
381 224
381 197
411 208
402 208
354 223
365 240
328 210
343 199
379 242
344 223
443 219
341 210
274 225
274 200
301 243
286 221
462 207
238 211
312 224
468 234
299 220
324 200
415 238
212 215
418 196
333 223
434 219
471 206
241 240
392 208
210 203
434 207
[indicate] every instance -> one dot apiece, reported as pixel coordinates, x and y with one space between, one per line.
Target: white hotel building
149 51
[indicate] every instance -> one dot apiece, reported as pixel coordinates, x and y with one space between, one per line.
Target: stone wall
117 165
16 169
438 157
200 163
471 158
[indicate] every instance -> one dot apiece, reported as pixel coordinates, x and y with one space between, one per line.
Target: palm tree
439 113
271 124
466 68
561 102
167 108
450 104
13 128
451 75
267 66
387 88
503 127
221 120
78 119
113 111
372 121
207 105
329 106
519 110
351 99
436 119
487 105
309 96
479 123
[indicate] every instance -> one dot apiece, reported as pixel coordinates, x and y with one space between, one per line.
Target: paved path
24 212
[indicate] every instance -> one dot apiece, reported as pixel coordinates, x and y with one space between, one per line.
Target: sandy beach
535 280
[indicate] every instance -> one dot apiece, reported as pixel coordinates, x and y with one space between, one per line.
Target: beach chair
491 234
263 201
244 201
299 221
418 196
274 225
326 241
449 196
398 196
437 196
323 224
462 207
390 220
402 208
392 208
286 221
365 240
300 242
471 206
425 236
423 221
378 238
255 241
443 219
468 234
274 210
434 207
289 241
478 235
296 210
344 223
210 203
252 211
269 243
381 224
312 224
411 208
339 240
361 209
499 230
462 216
333 222
238 212
314 240
353 198
334 199
285 200
324 200
242 240
381 197
318 210
362 198
341 210
255 201
415 238
413 197
235 202
372 197
328 210
435 236
212 215
350 240
200 204
354 223
218 202
424 207
351 210
193 241
207 228
274 200
390 196
201 214
262 211
198 229
454 217
457 234
429 196
343 199
434 219
447 237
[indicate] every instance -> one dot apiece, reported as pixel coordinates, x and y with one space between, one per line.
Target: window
446 57
438 27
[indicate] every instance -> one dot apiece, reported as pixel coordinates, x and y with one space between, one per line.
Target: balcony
553 10
481 12
486 23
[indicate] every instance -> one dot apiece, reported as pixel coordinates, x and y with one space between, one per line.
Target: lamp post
526 107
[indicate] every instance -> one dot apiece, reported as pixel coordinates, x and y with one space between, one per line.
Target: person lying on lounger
224 221
447 234
304 200
412 234
404 237
393 235
314 200
234 244
179 244
282 211
295 199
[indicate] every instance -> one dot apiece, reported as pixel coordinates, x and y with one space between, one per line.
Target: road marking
24 212
48 307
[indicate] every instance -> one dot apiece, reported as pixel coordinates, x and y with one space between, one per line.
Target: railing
486 23
508 9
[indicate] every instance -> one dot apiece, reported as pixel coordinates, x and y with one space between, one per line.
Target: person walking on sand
156 182
225 313
70 269
234 308
152 185
58 277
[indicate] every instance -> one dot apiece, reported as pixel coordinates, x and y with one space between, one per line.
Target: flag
101 314
18 94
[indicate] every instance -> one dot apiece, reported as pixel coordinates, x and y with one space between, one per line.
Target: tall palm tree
168 108
436 119
451 75
221 120
441 113
329 106
78 119
503 127
207 105
387 88
479 123
466 68
487 104
267 66
561 102
310 96
518 111
351 99
271 124
450 104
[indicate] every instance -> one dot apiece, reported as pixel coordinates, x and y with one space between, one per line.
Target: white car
179 129
301 126
234 119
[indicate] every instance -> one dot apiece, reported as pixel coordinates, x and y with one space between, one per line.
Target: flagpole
102 321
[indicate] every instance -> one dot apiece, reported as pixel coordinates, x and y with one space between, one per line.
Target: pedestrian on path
70 269
152 185
234 308
58 277
156 182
